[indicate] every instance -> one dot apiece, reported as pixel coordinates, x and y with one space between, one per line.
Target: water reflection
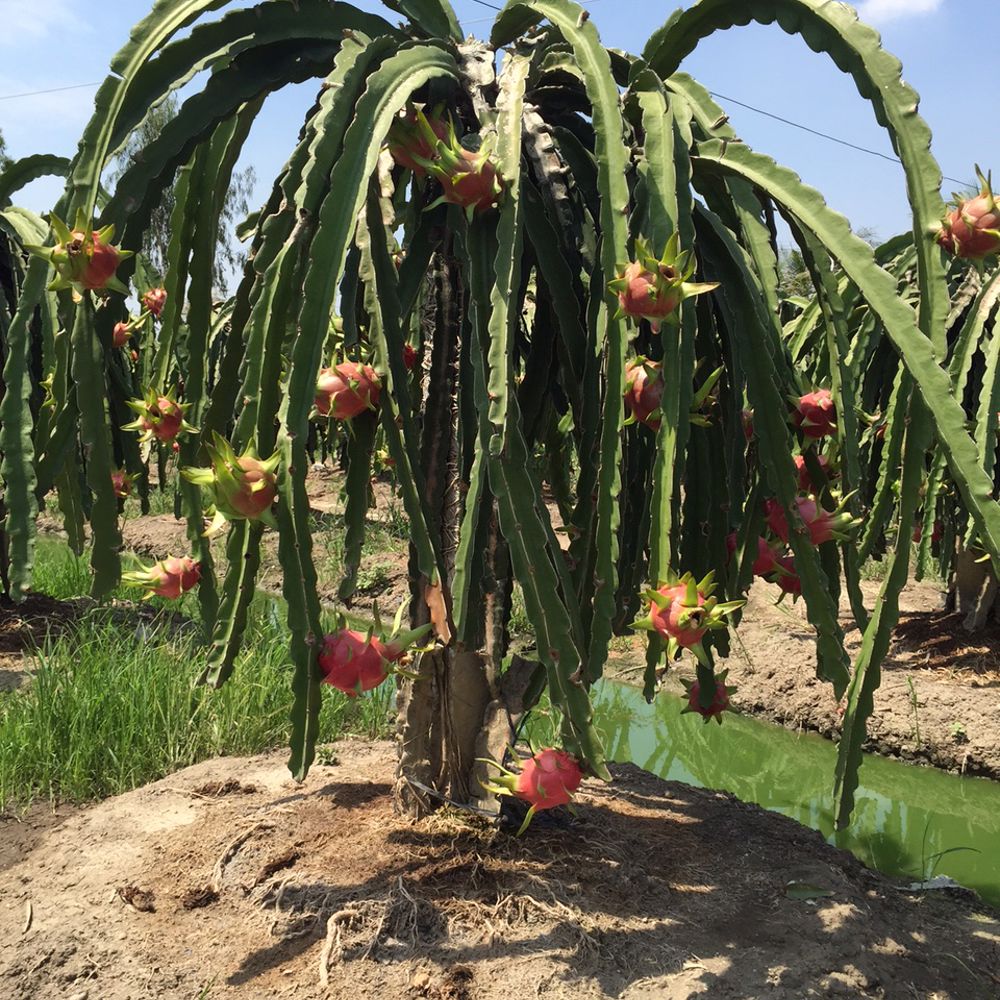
905 816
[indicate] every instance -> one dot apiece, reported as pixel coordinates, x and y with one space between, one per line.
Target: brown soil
656 890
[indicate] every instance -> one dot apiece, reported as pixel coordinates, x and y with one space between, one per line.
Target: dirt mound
655 890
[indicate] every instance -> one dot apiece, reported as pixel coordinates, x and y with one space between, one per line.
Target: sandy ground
227 880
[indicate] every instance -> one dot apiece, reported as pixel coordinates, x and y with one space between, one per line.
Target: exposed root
398 915
230 852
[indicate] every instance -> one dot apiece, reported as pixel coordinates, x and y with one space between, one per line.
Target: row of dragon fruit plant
577 251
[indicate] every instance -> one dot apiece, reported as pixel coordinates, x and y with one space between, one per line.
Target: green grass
109 707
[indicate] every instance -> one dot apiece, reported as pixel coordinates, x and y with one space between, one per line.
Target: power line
823 135
53 90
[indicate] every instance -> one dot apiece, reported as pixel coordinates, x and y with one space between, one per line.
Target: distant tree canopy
4 158
229 256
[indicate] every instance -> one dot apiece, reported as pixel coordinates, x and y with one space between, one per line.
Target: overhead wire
722 97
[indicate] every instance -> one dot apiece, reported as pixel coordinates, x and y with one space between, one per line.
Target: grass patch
109 708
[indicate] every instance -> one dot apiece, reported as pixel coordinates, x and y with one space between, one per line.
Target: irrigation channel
910 821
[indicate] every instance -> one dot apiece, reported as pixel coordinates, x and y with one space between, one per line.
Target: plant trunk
453 711
975 591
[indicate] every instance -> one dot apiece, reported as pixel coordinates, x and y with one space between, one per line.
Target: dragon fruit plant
532 210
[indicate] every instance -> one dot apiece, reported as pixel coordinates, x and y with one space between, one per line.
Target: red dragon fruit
168 578
937 533
408 143
158 416
972 229
805 480
718 704
243 487
154 300
469 178
546 780
120 334
823 525
644 391
121 482
651 288
84 259
346 390
786 577
353 662
682 611
746 418
410 357
815 414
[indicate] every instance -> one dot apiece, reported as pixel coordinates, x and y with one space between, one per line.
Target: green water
905 816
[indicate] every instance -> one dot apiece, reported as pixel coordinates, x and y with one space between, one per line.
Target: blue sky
49 43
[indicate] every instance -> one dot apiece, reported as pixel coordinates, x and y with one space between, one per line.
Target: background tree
229 253
4 158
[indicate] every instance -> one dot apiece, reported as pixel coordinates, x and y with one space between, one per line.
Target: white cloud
25 22
890 10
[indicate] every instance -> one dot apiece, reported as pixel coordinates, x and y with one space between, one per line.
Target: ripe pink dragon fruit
718 704
408 143
786 577
353 662
547 779
682 611
84 259
120 334
158 416
644 391
680 617
243 487
767 554
154 300
746 418
410 356
346 390
805 480
823 525
121 482
972 229
815 414
168 578
468 178
652 289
